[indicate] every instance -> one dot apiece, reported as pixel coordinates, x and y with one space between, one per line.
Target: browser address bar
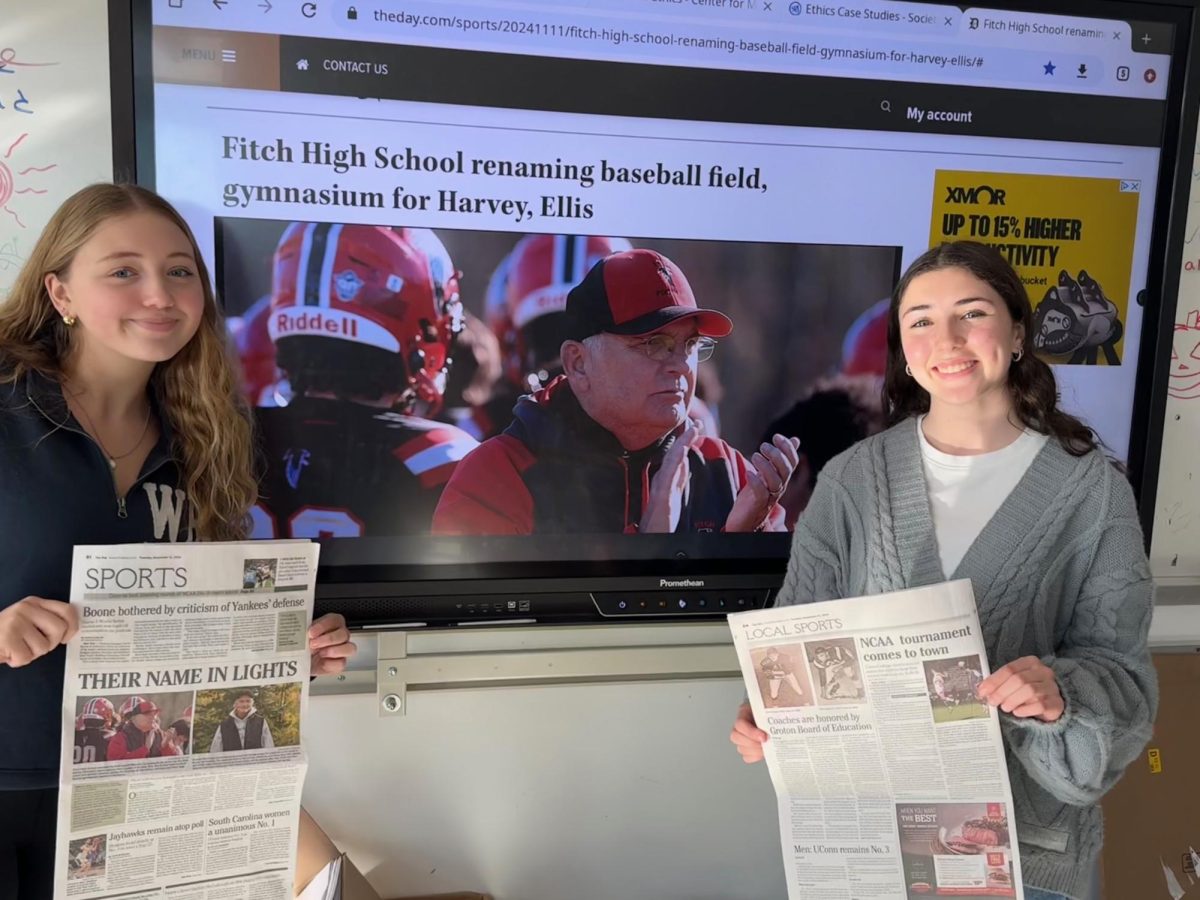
594 35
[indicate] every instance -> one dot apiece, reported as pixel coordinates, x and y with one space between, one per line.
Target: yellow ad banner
1070 240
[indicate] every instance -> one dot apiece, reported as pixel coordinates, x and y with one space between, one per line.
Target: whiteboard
1175 545
55 117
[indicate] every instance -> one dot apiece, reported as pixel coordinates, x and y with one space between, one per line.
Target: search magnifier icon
886 106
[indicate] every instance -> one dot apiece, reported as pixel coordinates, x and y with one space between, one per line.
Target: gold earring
69 320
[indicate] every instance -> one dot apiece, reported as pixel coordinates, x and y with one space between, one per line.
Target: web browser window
790 157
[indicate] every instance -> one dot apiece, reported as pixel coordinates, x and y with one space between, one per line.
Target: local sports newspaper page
185 696
890 772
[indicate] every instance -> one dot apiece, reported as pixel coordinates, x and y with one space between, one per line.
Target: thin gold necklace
95 432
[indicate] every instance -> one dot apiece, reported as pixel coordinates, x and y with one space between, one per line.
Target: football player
363 319
94 729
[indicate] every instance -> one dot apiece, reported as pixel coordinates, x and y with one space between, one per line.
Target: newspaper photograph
185 696
889 770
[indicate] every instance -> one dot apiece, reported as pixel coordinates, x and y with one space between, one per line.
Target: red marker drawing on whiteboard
12 183
1185 358
9 62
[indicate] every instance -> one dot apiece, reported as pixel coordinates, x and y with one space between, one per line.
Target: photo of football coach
250 717
140 735
244 728
609 446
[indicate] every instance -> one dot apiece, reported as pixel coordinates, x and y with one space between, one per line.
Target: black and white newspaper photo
889 770
185 697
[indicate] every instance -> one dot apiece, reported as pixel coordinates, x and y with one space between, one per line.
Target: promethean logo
679 582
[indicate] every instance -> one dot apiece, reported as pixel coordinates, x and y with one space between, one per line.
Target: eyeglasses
661 347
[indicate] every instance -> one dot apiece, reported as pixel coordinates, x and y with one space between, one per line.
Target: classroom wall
55 117
588 792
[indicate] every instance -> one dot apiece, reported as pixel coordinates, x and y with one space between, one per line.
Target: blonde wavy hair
198 389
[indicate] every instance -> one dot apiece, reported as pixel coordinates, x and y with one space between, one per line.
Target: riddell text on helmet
315 322
334 323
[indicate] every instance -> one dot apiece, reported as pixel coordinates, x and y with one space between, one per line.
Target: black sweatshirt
56 491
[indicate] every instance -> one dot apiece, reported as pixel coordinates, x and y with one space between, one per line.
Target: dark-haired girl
982 476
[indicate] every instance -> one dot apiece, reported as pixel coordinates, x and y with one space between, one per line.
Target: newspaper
890 772
185 696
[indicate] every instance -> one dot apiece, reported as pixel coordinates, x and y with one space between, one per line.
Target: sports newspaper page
186 692
890 772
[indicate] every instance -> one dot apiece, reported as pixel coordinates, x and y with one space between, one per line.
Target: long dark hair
1030 381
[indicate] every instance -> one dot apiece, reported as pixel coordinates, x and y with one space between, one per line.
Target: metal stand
471 659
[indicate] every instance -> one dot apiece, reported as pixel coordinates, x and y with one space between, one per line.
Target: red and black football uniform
337 469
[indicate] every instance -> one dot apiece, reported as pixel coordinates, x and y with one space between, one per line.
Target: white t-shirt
966 491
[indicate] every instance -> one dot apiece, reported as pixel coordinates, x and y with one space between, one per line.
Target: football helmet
542 270
864 348
100 709
394 289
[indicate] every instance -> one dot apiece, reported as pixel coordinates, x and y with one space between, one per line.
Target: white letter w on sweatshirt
167 509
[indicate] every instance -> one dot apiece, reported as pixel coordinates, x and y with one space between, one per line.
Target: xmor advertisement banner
1071 241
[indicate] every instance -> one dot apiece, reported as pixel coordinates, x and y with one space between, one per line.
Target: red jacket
129 736
554 470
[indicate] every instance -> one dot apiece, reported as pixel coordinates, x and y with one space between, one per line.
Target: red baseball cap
636 292
138 706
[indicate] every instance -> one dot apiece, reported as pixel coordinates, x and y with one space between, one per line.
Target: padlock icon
351 12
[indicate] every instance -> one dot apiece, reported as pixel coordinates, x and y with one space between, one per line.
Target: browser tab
871 15
1032 28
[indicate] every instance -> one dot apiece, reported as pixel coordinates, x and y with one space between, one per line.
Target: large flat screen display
520 290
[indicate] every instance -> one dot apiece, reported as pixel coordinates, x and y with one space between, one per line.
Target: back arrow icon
220 4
